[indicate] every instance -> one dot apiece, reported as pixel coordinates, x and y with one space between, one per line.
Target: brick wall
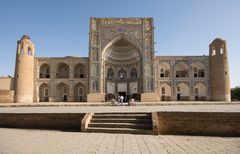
6 96
199 123
42 120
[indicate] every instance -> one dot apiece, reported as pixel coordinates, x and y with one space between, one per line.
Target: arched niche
198 69
62 92
62 70
165 92
44 71
181 69
79 92
183 92
200 92
121 63
44 92
164 69
80 71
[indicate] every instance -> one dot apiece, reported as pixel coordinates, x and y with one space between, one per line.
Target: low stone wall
181 123
199 123
42 120
6 96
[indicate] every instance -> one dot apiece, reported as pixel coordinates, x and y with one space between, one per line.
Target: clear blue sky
60 27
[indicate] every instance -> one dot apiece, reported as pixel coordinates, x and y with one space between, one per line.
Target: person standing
121 98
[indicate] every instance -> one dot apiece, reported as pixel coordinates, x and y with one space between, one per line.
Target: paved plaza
28 141
23 141
99 109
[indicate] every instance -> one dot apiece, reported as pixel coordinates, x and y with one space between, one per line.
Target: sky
60 28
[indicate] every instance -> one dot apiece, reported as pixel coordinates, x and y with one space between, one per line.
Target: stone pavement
97 109
26 141
161 103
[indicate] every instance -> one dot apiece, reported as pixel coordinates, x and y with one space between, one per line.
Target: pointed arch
79 92
119 37
165 92
181 69
80 71
183 91
62 70
133 73
198 69
200 92
44 92
164 69
121 53
110 73
44 71
122 74
62 91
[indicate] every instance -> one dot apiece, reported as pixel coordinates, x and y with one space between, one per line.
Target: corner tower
24 70
219 71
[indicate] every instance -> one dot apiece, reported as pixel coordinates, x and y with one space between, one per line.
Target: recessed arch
80 71
183 91
95 85
110 73
62 91
121 37
133 73
165 92
200 91
79 92
123 55
122 74
62 70
44 71
44 92
181 69
198 69
164 69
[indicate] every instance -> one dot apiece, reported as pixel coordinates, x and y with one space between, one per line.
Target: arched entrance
62 92
122 66
43 92
200 92
79 93
165 92
183 92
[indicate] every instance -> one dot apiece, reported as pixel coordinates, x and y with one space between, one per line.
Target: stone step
119 130
121 125
124 114
118 116
118 120
137 123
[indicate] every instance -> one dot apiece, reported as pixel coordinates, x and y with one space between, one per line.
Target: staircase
133 123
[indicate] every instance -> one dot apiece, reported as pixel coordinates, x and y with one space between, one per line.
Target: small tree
235 93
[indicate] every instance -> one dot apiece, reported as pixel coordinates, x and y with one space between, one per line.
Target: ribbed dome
122 53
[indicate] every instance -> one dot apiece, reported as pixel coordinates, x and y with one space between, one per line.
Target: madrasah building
121 62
